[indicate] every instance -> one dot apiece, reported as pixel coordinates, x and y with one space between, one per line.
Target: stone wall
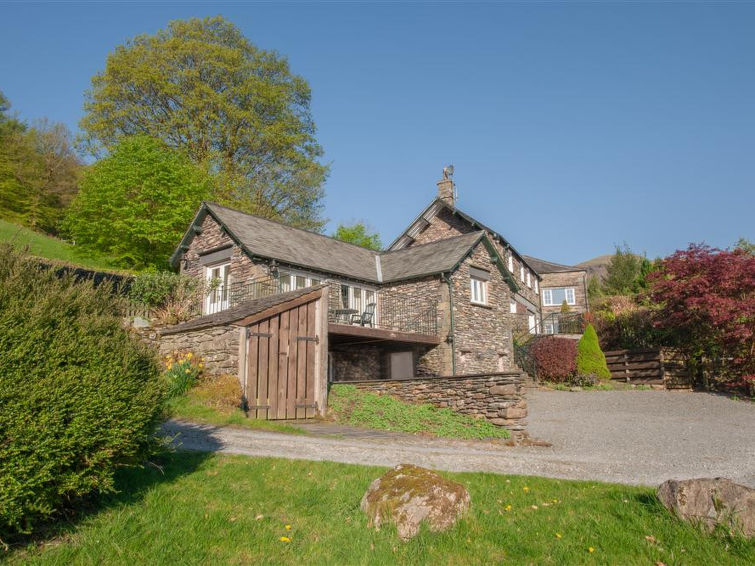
499 398
243 270
356 362
218 346
575 279
482 333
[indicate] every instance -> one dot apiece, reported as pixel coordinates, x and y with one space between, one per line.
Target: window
529 280
218 279
521 273
556 296
478 285
512 306
356 298
291 281
536 286
532 322
511 263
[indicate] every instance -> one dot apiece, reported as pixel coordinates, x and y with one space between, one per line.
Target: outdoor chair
367 317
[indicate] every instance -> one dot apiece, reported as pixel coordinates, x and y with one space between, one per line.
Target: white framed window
510 261
557 295
355 298
536 286
529 280
292 280
521 273
532 323
218 278
478 285
478 291
512 306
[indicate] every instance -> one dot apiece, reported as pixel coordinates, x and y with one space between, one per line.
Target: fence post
626 366
663 367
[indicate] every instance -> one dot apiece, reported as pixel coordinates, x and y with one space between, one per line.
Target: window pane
558 296
314 282
357 296
301 282
369 297
570 296
345 296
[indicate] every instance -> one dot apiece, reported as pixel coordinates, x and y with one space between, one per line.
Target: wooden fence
650 367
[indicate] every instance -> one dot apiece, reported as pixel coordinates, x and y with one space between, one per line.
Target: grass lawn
192 407
42 245
349 405
215 509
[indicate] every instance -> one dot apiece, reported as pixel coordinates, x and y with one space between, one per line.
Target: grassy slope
202 509
48 247
192 408
348 405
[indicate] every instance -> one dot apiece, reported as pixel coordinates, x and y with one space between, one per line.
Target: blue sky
572 126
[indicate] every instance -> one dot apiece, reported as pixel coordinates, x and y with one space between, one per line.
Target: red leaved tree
706 298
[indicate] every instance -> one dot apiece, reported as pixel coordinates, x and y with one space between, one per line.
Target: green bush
79 394
156 289
590 358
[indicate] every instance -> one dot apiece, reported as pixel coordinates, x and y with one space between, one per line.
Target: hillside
44 246
597 265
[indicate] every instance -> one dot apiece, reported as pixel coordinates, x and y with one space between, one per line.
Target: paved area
633 437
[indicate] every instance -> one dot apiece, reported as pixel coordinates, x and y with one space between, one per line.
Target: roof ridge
478 234
207 202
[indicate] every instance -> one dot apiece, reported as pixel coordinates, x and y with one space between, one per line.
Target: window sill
483 305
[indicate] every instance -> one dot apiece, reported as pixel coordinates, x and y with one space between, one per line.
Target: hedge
556 358
80 395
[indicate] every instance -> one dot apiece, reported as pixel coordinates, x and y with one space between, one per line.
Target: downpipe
450 338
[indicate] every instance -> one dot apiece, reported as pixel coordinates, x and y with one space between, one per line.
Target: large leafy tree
135 204
203 87
39 171
359 234
706 299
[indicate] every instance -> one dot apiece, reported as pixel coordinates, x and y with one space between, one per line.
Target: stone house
444 300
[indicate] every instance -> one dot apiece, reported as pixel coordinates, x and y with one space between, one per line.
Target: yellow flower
189 355
508 508
591 549
558 535
288 527
525 489
285 539
188 370
170 366
201 365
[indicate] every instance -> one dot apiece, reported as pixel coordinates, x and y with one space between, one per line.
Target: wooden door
280 358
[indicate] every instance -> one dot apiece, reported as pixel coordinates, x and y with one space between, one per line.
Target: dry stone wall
218 346
499 398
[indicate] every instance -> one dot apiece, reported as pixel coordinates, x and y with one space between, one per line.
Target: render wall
499 398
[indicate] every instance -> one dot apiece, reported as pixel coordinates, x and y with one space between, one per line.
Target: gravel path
633 437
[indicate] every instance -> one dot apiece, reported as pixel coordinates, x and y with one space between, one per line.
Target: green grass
349 405
42 245
202 509
192 408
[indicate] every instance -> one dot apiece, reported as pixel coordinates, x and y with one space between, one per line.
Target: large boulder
711 501
408 495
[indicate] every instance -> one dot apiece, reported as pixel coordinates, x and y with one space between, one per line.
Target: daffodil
508 508
591 549
288 527
525 489
285 539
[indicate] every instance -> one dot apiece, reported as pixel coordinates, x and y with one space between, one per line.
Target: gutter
451 339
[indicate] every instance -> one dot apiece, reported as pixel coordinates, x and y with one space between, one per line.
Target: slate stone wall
499 398
482 333
575 279
218 346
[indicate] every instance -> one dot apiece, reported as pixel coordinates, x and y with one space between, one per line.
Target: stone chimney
446 187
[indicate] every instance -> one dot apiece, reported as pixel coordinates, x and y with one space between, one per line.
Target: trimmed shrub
590 358
556 358
80 395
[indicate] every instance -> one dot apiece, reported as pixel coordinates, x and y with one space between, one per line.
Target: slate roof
235 314
425 259
260 237
271 239
542 266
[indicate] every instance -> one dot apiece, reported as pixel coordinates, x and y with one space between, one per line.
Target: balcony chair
367 317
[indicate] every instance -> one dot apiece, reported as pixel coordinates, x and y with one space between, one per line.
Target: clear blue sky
572 127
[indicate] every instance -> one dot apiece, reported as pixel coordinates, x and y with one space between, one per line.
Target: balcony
388 317
353 313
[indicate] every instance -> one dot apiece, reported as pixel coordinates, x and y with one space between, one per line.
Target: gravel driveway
634 437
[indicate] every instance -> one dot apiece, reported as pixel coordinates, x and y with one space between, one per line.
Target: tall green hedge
79 394
590 358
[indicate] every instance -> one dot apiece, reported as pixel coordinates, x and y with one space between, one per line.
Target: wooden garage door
280 357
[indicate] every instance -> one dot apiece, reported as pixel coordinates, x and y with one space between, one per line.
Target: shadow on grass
131 485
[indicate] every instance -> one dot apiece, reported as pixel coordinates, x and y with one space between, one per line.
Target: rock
408 495
711 501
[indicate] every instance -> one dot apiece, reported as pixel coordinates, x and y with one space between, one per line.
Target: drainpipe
447 279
